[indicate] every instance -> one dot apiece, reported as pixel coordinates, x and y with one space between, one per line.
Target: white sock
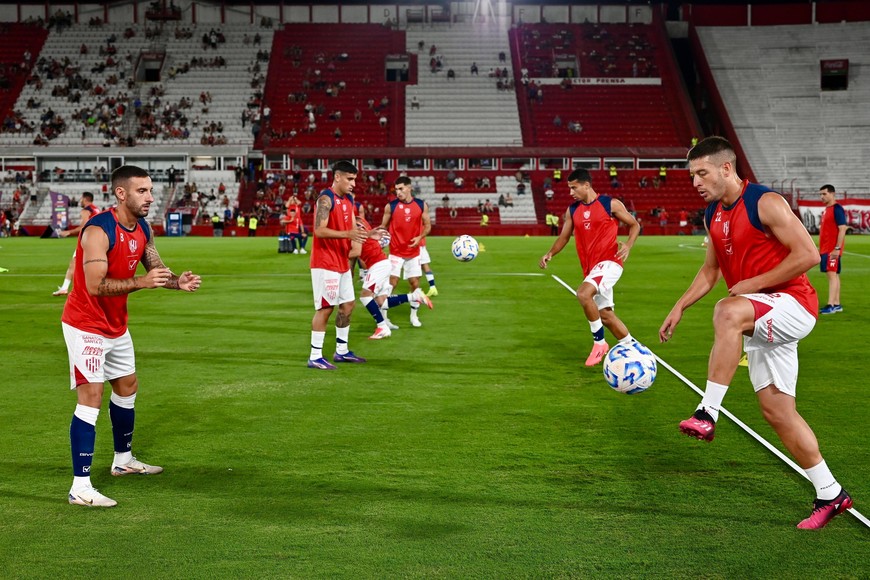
627 339
66 283
341 336
81 483
712 401
87 414
317 339
123 458
823 480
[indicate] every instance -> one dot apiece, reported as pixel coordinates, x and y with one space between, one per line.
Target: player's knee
733 313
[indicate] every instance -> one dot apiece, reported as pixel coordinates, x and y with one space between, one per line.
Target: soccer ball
630 368
385 239
465 248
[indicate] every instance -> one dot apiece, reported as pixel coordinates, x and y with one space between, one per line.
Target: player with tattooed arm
94 321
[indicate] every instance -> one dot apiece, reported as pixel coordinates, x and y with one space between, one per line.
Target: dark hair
711 146
88 195
580 175
125 173
828 187
403 180
344 166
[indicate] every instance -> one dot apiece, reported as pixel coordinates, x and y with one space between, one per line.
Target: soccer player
763 251
334 230
408 222
292 222
376 287
594 220
94 321
88 211
832 239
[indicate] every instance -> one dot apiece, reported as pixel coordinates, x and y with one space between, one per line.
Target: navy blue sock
598 334
81 439
375 311
394 300
122 426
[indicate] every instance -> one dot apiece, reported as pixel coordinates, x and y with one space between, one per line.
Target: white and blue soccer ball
465 248
630 368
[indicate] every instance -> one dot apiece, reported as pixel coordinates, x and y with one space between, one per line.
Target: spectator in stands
487 207
485 183
445 201
557 121
479 206
663 174
451 75
549 193
502 57
521 188
459 182
663 217
382 121
501 201
508 200
415 104
474 68
642 182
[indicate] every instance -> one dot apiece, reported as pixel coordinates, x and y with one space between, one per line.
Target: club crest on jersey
586 214
133 245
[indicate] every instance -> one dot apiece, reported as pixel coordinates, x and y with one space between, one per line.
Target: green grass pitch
477 446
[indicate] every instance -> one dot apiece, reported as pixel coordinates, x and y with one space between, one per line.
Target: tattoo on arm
323 208
117 287
151 258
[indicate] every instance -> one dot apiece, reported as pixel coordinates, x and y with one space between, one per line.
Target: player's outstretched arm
706 278
95 262
560 242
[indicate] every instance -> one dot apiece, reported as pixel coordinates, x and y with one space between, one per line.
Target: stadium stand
795 135
462 108
316 87
600 107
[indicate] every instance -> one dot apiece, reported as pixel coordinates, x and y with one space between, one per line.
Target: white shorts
410 267
424 256
772 349
377 279
604 276
93 358
331 288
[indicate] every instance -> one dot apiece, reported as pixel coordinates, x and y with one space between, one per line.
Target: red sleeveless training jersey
106 315
332 253
372 253
745 248
594 232
406 223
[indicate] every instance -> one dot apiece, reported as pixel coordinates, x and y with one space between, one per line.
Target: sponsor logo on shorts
332 290
769 324
92 351
91 339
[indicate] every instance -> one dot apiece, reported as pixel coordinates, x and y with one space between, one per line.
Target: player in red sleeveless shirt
88 211
334 230
408 222
292 222
763 251
594 220
376 287
832 240
94 321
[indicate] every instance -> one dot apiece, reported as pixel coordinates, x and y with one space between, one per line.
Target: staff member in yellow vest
663 174
252 226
